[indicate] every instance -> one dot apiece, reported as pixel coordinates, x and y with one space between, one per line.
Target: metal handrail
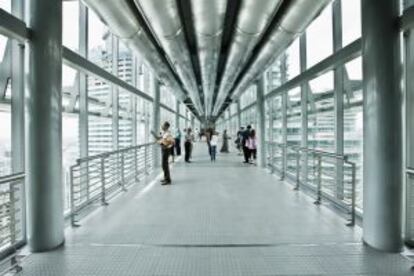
95 178
104 154
409 225
11 218
317 169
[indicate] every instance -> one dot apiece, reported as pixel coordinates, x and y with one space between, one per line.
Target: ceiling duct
122 21
252 23
164 20
209 23
293 23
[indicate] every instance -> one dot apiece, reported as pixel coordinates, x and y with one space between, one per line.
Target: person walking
178 142
252 146
225 146
238 140
166 141
188 145
245 136
209 133
213 146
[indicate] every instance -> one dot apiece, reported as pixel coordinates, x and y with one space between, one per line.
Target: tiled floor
226 219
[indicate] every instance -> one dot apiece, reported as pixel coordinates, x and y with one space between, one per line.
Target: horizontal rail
316 169
94 179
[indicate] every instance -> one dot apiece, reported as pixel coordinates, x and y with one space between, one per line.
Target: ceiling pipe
122 21
293 23
209 23
163 19
252 23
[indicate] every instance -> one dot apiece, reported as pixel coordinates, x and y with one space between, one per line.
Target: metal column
177 115
304 89
239 120
338 98
192 122
17 110
382 125
115 95
83 82
44 126
156 120
17 96
283 71
260 85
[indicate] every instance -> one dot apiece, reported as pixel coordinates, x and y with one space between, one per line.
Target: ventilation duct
209 22
121 19
252 22
293 23
164 20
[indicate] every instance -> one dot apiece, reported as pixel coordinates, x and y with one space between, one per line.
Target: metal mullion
115 95
338 96
304 105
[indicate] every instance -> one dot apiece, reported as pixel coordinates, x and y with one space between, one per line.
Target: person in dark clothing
188 145
178 143
245 136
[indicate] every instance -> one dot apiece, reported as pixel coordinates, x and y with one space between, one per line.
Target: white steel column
44 126
382 222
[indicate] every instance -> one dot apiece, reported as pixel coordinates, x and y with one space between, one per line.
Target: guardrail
330 176
12 220
409 212
93 179
275 158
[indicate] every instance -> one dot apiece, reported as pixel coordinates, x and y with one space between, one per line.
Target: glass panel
294 125
353 124
70 34
100 116
5 139
99 43
125 118
351 20
5 5
319 37
293 60
125 63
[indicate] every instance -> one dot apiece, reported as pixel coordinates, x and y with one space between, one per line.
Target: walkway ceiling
207 51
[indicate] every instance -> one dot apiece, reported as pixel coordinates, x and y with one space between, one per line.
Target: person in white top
166 141
213 146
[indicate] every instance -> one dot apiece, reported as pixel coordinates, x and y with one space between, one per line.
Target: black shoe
166 182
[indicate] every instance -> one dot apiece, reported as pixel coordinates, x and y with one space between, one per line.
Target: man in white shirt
167 143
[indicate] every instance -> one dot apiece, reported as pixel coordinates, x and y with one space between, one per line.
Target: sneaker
166 183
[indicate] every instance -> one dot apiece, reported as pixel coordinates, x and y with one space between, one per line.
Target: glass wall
324 117
319 38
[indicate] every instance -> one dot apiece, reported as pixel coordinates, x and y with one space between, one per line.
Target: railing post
123 171
145 159
283 167
72 199
12 227
319 183
272 157
136 176
353 196
103 192
297 170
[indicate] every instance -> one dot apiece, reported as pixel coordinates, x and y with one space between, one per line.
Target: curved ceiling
207 51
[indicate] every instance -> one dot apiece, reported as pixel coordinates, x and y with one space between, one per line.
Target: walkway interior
225 218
